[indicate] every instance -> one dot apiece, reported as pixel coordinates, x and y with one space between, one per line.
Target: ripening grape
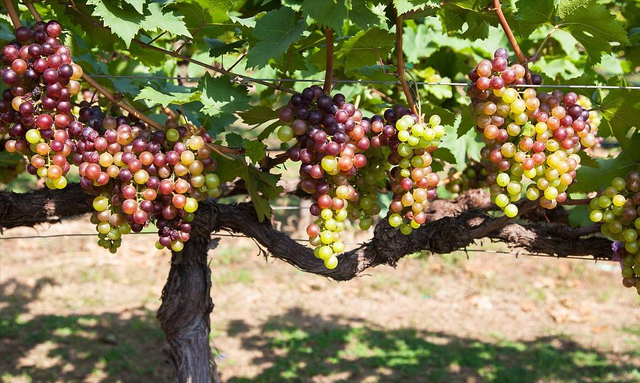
617 208
36 108
532 140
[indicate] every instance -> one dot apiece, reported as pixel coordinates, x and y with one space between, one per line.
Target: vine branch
13 14
33 11
522 59
401 74
328 77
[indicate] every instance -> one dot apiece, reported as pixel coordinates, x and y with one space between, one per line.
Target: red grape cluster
618 208
532 140
36 109
143 177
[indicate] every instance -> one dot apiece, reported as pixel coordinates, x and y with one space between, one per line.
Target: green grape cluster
413 181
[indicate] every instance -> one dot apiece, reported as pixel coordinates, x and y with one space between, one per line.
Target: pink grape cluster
618 209
532 140
143 177
36 109
331 136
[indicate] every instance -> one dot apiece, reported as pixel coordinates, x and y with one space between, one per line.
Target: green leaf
618 110
445 155
255 150
592 25
258 115
137 4
157 97
327 13
594 178
276 31
532 13
168 21
220 95
122 23
234 140
214 11
405 6
363 16
218 48
365 47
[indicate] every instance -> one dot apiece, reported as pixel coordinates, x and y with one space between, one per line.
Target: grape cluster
618 208
346 159
412 180
331 135
36 109
141 176
474 176
531 140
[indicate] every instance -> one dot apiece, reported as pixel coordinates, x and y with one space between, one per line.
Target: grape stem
522 59
536 55
574 202
13 14
328 77
33 11
133 111
400 73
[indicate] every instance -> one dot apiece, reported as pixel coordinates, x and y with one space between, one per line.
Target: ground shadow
296 347
110 347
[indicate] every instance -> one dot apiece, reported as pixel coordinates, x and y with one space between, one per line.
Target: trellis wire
250 79
302 240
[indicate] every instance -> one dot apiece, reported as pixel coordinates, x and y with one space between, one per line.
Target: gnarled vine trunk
184 314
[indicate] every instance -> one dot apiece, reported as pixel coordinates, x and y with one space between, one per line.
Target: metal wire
302 240
250 79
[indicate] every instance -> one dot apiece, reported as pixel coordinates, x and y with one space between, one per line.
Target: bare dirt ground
72 312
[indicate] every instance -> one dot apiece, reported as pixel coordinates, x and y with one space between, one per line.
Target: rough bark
184 314
40 206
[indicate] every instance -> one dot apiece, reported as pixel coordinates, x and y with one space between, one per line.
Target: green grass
305 348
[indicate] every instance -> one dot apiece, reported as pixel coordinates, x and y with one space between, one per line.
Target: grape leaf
220 95
255 150
138 5
363 16
405 6
592 25
157 97
276 31
218 48
258 115
365 48
164 21
122 23
618 111
532 13
467 122
327 13
234 140
595 178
